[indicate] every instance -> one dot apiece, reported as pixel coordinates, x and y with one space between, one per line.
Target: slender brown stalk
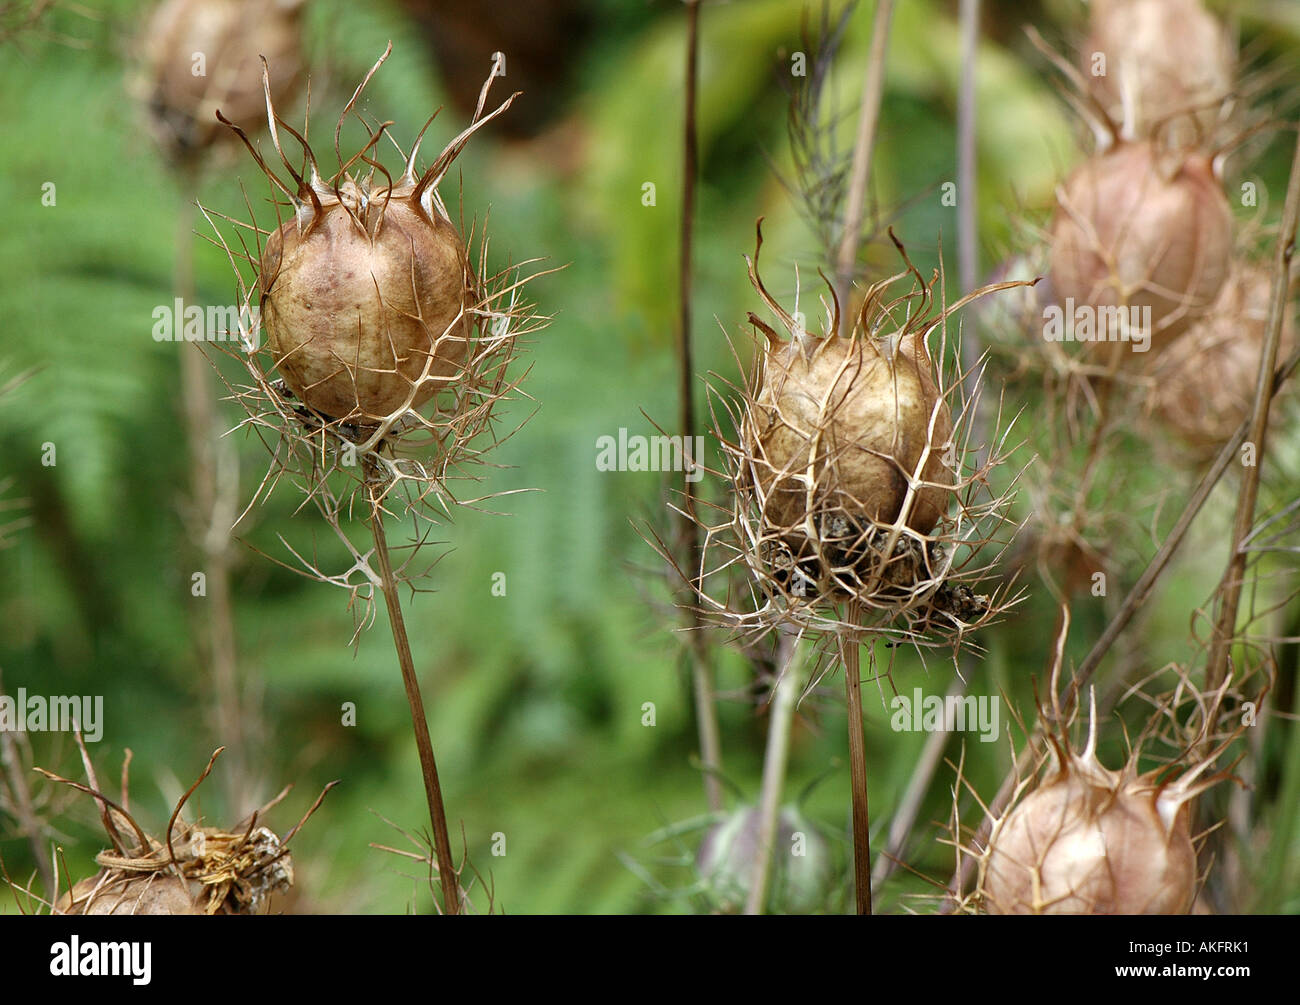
873 89
858 771
1230 588
706 710
447 875
212 518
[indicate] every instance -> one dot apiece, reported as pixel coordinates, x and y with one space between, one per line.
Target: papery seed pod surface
122 893
366 302
802 871
1092 841
847 420
1174 59
199 56
1138 229
1205 384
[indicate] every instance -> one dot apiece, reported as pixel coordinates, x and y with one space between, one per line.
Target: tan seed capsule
1088 840
124 893
1159 65
1092 843
366 302
1205 385
846 421
199 56
1141 243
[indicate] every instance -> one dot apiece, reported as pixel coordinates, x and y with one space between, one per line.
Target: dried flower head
388 341
198 56
215 872
1143 238
1159 66
1205 381
850 419
849 481
365 298
193 869
1089 840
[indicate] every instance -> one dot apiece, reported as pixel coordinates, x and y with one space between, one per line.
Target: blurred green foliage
535 698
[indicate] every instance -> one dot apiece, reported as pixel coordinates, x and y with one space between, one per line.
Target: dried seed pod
127 893
1088 840
1144 244
213 872
367 295
193 869
1159 63
366 298
802 869
842 438
851 489
846 421
199 56
1205 385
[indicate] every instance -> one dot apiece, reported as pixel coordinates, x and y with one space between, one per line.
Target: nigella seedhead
379 341
852 477
197 56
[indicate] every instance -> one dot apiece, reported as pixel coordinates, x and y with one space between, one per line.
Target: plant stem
1279 860
212 519
873 89
1216 670
447 874
858 770
967 226
972 348
706 711
775 759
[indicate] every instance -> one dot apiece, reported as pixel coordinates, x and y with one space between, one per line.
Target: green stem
706 710
775 759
